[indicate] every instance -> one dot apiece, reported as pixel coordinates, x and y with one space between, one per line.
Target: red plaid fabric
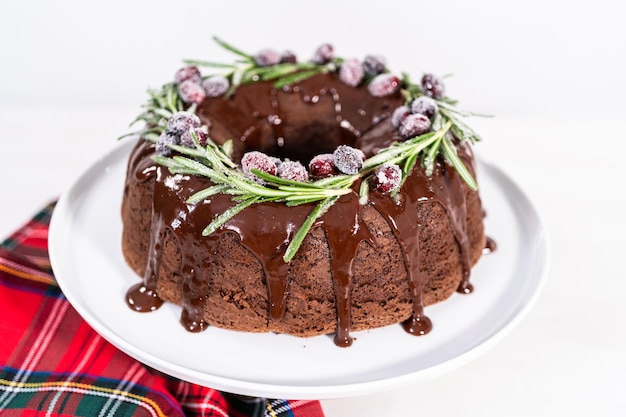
53 364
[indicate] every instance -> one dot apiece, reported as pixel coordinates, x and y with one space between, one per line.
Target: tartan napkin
52 363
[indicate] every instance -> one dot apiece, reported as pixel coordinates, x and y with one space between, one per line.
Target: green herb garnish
214 162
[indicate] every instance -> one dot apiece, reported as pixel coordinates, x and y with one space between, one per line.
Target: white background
74 74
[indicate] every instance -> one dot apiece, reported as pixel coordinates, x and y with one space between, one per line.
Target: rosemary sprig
161 105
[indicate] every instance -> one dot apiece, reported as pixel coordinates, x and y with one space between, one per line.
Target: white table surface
567 357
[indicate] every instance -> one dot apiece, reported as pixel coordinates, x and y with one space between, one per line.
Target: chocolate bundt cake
309 198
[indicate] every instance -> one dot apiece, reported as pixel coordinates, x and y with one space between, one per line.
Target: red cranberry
351 72
347 159
187 140
189 72
323 54
414 125
386 178
424 105
180 122
215 86
322 166
383 85
433 86
166 138
374 64
191 92
399 115
267 57
293 170
288 57
257 160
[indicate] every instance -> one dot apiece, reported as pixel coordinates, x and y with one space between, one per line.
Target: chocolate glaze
490 246
298 122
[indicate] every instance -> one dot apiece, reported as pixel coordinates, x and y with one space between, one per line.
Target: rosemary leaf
210 64
298 238
234 50
297 77
294 203
364 190
335 181
227 215
449 152
207 192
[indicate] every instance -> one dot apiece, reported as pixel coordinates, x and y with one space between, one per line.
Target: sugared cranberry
187 140
351 72
399 115
414 125
322 166
433 86
348 159
424 105
257 160
293 170
215 86
386 178
188 73
276 161
383 85
374 64
267 57
288 57
166 138
323 54
191 92
180 122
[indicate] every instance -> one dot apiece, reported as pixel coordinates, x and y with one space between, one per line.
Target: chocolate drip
143 297
344 231
490 246
266 232
445 188
455 205
401 215
196 279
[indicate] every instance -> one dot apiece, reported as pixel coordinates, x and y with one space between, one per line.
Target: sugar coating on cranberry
189 72
166 138
322 166
433 86
374 64
191 92
215 86
347 159
257 160
276 161
323 54
288 57
351 72
383 85
414 125
180 122
293 170
386 178
424 105
399 114
187 140
267 57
